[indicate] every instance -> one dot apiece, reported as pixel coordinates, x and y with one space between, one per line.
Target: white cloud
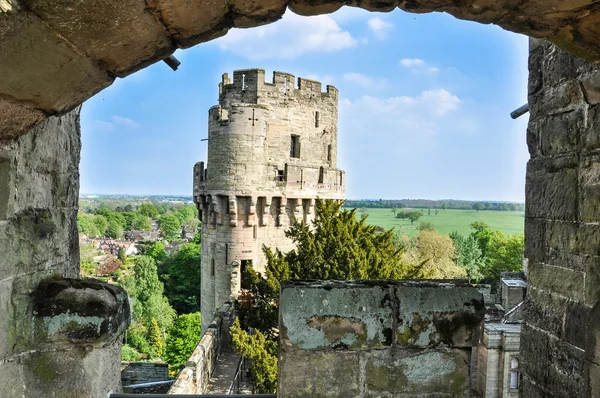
403 121
102 125
288 38
417 65
125 122
364 80
379 27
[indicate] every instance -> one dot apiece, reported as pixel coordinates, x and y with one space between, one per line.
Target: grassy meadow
449 220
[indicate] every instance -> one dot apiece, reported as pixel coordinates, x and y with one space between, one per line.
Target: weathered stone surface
563 281
16 118
79 311
39 187
320 374
122 37
41 70
377 338
402 373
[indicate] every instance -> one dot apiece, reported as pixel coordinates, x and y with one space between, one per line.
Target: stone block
336 315
554 364
434 313
319 374
591 135
592 280
563 281
17 118
576 324
34 46
545 310
590 83
410 373
589 194
535 235
582 238
551 188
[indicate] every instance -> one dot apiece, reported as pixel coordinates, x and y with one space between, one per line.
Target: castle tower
272 150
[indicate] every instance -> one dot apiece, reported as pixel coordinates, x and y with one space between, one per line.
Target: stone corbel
282 213
233 214
266 211
252 211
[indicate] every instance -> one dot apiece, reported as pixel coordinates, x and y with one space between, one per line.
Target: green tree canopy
148 210
141 222
182 339
182 278
114 230
170 227
86 225
101 223
468 256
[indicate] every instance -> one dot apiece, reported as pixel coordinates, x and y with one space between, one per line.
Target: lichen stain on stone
457 329
340 332
38 222
417 333
426 367
74 325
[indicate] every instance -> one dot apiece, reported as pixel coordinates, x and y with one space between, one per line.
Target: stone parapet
377 338
194 377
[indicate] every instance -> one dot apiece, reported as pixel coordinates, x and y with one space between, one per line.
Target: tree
121 255
468 256
478 206
394 210
149 296
505 253
141 223
148 210
155 338
263 354
425 226
182 278
414 216
101 224
335 246
86 225
482 234
437 253
182 339
157 251
114 230
444 206
87 251
170 227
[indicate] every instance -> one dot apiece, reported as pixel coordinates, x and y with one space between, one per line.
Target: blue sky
424 106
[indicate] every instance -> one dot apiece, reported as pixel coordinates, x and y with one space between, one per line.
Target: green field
447 221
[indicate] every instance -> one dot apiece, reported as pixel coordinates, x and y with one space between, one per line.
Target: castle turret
272 150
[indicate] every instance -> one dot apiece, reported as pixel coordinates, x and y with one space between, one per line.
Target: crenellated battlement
251 84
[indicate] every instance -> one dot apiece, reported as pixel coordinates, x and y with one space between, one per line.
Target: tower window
212 267
317 119
514 373
329 153
341 178
321 172
295 147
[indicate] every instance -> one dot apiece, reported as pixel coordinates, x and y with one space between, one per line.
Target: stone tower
272 150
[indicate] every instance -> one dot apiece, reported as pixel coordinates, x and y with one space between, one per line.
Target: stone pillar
69 350
377 338
562 231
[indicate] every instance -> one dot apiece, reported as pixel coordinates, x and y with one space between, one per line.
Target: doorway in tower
244 267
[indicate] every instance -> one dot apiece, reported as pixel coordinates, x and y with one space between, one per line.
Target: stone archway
60 54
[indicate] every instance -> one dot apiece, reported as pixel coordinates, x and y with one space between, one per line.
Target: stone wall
46 327
194 377
143 372
562 232
378 338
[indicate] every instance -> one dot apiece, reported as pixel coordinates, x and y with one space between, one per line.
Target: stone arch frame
563 225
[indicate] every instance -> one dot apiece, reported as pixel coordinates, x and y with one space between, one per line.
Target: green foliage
87 251
436 253
182 278
468 256
141 223
336 246
262 353
129 354
155 338
182 339
411 215
157 251
86 225
425 226
121 255
114 229
505 254
170 227
148 210
101 223
129 219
